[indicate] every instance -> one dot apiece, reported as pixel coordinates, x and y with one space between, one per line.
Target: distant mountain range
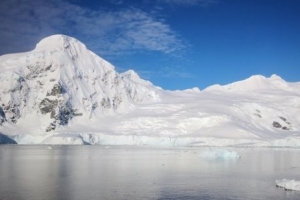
62 93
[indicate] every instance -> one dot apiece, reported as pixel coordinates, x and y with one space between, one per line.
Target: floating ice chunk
288 184
219 154
49 147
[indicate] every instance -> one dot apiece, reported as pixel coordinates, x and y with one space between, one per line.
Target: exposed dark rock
105 103
61 111
34 71
53 114
65 113
47 105
11 111
51 127
94 106
2 116
116 101
285 128
56 90
285 120
37 70
48 67
21 79
133 94
77 114
277 124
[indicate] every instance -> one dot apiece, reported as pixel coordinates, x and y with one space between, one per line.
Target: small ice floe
219 154
49 147
288 184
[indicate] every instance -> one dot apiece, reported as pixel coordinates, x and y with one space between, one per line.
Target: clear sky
176 44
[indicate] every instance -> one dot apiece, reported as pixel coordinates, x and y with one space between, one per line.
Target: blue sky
176 44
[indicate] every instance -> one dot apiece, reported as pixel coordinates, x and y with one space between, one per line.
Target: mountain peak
275 77
60 80
58 41
131 74
255 82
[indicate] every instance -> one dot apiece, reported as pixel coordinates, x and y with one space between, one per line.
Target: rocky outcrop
48 106
284 125
56 90
2 116
11 112
60 111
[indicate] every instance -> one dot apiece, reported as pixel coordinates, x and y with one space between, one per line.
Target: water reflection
95 172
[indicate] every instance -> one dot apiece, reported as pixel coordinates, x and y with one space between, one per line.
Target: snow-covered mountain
62 93
60 80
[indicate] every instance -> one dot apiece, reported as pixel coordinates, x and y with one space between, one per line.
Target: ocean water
99 172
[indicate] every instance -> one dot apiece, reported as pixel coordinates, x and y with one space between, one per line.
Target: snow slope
60 80
62 93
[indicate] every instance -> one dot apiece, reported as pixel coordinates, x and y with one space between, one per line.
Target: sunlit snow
62 93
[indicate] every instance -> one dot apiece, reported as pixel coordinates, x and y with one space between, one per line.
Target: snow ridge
256 82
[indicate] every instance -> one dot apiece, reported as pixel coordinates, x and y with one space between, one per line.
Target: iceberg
219 154
288 184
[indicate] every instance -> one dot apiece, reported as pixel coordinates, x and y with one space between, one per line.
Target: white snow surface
288 184
62 93
219 154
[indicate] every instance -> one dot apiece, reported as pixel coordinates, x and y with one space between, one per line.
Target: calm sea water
96 172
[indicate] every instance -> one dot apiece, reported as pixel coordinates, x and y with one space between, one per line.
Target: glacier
62 93
223 154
